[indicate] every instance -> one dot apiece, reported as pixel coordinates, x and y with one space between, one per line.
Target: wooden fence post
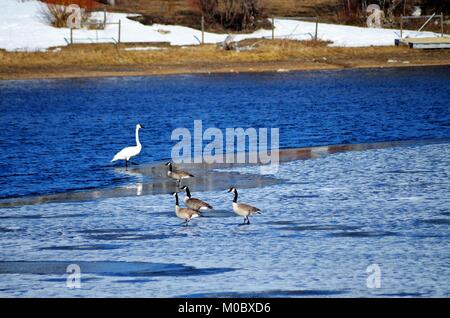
104 18
317 27
203 30
401 27
273 28
120 31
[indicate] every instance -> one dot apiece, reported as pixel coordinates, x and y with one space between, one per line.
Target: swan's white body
129 152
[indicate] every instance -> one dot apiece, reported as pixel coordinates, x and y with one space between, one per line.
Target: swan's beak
142 127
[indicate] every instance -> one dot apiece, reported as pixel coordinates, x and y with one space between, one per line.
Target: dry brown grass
58 15
278 7
108 54
267 55
181 12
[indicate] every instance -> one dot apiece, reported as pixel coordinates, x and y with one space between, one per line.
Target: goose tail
209 206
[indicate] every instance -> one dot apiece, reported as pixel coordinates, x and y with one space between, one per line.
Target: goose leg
126 164
248 220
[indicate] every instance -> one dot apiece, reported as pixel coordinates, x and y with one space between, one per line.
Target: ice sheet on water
320 229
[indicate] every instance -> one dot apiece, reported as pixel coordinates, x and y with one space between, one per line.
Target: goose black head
184 188
174 194
232 189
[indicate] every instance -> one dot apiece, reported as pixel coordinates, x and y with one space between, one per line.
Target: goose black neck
176 199
170 167
235 196
188 193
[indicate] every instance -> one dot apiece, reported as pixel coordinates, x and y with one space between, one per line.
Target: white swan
129 152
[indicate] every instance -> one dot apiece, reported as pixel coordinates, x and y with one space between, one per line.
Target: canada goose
177 175
184 213
243 209
129 152
194 203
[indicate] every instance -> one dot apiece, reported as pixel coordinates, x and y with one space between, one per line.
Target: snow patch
22 28
144 48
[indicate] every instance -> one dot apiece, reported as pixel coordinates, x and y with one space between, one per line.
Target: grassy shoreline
144 59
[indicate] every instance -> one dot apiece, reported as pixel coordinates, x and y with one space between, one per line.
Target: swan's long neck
235 196
138 143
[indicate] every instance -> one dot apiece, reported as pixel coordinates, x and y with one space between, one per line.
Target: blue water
59 135
323 222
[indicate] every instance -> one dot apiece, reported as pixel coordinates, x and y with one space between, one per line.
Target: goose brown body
194 203
185 214
177 175
243 209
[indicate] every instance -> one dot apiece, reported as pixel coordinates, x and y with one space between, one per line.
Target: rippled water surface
61 134
320 229
324 221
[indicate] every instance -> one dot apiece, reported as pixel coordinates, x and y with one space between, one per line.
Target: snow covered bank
22 28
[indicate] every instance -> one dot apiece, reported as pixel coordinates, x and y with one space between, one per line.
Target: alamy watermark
374 277
75 16
376 16
233 145
73 280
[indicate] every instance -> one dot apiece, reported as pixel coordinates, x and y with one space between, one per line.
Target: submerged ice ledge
107 268
209 177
